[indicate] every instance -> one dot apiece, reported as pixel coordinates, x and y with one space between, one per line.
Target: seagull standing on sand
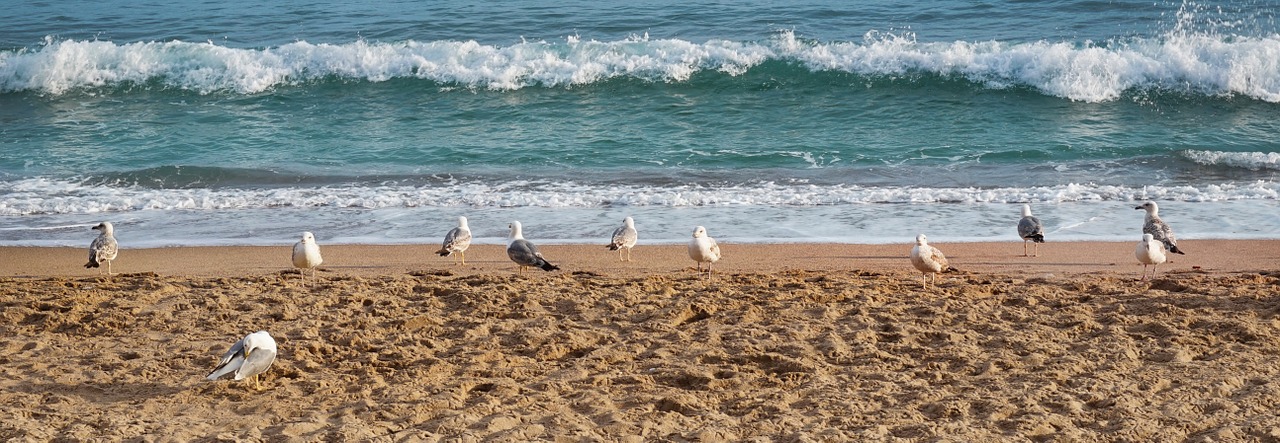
103 248
1030 229
525 253
929 260
703 249
1152 224
1149 252
457 241
306 255
624 238
250 356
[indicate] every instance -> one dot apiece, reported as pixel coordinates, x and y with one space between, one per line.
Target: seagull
1030 229
250 356
1152 224
929 260
1149 252
306 255
525 253
703 249
103 248
457 240
624 237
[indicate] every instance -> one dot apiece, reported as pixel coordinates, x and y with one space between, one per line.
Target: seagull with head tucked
248 357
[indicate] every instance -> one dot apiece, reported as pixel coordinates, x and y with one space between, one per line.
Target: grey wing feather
1029 226
524 253
451 237
622 236
1160 231
258 362
231 361
102 248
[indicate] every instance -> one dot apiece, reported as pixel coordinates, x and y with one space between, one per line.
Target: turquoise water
193 123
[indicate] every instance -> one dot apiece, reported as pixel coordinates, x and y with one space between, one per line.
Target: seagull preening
103 248
929 260
306 255
248 357
457 241
1149 252
1030 229
624 238
703 249
525 253
1152 224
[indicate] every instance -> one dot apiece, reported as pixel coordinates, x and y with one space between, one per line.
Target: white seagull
624 238
250 356
103 248
1152 224
703 249
457 241
306 255
1030 229
929 260
525 253
1149 252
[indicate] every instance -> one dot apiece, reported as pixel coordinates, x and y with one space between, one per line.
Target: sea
230 122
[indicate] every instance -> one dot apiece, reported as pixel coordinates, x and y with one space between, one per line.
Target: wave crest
1091 72
1254 161
47 196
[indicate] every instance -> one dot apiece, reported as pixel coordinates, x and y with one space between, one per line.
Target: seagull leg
1037 249
463 256
1024 248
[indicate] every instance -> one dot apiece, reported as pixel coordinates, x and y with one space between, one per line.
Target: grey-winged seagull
248 357
1149 252
928 259
104 248
306 255
703 249
624 238
1030 229
1152 224
457 241
525 253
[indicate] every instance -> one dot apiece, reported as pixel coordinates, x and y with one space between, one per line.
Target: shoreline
1066 258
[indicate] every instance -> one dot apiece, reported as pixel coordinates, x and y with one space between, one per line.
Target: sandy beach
791 342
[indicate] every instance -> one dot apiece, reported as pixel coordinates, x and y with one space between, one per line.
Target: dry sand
785 343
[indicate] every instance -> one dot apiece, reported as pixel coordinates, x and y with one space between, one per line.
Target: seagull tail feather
547 266
91 264
444 252
613 246
1038 238
1174 249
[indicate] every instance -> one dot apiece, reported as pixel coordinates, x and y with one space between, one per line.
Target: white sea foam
1254 161
1084 71
45 196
